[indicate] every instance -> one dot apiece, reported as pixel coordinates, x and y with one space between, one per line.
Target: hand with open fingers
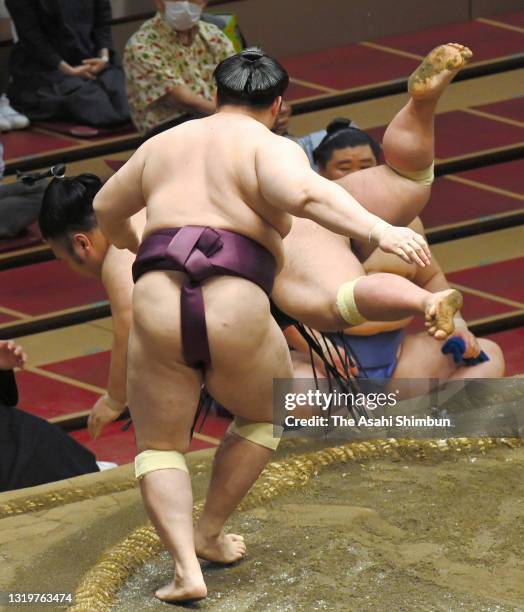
407 244
11 355
101 415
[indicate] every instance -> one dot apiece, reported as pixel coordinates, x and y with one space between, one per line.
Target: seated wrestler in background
227 171
345 149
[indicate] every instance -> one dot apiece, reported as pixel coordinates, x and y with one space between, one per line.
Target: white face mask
182 16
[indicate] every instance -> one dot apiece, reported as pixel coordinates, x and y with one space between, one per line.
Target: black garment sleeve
102 25
8 388
24 14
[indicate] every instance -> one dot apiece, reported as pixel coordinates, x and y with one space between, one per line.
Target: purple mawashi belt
203 252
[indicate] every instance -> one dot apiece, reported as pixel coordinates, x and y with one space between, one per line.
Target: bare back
204 173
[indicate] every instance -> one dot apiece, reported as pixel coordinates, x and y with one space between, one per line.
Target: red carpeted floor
47 287
495 281
510 109
49 398
5 318
459 133
357 65
91 369
478 307
507 176
34 142
29 143
82 132
296 91
453 202
119 446
349 67
503 279
513 19
488 41
512 344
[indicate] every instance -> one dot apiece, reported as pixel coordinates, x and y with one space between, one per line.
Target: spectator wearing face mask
169 64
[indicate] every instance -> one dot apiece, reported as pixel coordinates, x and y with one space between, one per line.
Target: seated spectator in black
32 451
20 204
169 64
345 149
10 119
63 67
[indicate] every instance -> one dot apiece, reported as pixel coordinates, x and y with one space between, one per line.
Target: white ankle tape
346 304
263 434
153 460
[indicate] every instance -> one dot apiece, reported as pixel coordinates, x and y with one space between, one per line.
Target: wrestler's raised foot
440 308
437 70
225 548
183 589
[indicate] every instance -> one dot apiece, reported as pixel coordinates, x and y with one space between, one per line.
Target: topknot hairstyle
341 135
250 78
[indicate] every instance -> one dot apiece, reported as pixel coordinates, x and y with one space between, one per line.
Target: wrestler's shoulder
273 144
117 263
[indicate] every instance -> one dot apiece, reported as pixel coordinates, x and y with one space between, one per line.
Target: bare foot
226 548
440 310
179 589
437 70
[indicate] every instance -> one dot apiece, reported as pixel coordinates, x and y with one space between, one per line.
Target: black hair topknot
250 78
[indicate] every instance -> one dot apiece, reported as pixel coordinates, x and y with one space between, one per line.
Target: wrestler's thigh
317 263
302 367
394 198
163 392
384 193
421 358
496 366
248 350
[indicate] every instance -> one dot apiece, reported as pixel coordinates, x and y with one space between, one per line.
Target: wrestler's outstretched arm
118 282
119 199
287 182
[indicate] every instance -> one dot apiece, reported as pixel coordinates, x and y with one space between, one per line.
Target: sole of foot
437 70
440 313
